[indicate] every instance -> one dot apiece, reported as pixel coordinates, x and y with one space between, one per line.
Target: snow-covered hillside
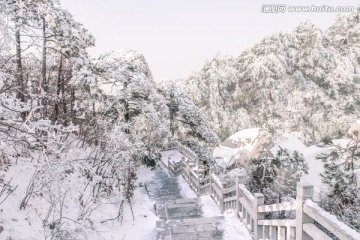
305 81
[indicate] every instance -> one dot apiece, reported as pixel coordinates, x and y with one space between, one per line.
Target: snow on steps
182 218
179 208
163 187
210 228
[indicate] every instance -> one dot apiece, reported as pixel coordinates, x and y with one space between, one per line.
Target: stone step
178 209
161 176
181 217
160 197
190 229
153 188
163 187
166 182
174 191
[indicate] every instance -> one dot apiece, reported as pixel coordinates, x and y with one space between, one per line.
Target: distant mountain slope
305 81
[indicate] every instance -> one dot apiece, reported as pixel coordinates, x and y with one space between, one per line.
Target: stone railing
185 151
175 167
251 210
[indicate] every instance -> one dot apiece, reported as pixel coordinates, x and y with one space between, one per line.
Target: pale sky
177 36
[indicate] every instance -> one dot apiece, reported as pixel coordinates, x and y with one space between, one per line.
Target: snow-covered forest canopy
76 131
304 81
73 128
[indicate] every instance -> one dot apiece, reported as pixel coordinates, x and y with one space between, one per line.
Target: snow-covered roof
244 137
242 146
288 141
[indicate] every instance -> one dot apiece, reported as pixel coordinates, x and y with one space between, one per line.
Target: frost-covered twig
29 191
120 215
6 188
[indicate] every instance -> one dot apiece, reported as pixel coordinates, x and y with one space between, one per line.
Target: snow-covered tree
293 167
187 118
276 176
341 178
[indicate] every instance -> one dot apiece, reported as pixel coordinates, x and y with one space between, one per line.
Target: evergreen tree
262 177
341 178
293 166
276 176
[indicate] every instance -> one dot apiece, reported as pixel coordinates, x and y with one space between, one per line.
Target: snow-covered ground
185 189
143 227
20 224
234 229
27 224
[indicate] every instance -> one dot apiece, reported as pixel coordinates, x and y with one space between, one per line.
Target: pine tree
293 166
276 176
189 121
341 177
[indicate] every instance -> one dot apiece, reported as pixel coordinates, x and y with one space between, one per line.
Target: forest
75 130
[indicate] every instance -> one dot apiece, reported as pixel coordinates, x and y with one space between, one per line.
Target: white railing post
237 209
222 199
198 183
259 201
211 187
188 169
239 180
303 191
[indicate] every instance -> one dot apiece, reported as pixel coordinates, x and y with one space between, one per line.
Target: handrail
230 199
277 207
229 190
277 222
329 221
251 208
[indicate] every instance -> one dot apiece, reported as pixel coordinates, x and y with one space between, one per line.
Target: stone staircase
163 187
190 229
179 209
181 218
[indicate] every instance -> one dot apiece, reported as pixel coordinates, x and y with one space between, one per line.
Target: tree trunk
43 69
127 112
221 95
172 120
59 80
20 94
73 111
63 94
